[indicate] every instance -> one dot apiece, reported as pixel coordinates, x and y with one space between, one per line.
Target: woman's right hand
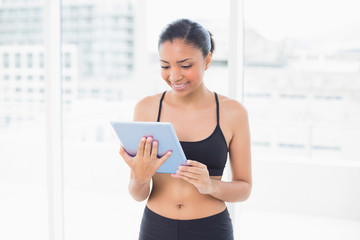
145 164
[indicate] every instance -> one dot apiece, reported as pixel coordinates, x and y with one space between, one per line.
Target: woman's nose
175 75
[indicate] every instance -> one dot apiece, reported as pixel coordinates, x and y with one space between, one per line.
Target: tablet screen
130 133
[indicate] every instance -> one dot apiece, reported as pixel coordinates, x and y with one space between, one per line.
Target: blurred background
300 82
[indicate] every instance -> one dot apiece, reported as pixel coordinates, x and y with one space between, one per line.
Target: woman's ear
208 60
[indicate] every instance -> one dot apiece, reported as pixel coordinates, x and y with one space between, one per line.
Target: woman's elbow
244 192
139 198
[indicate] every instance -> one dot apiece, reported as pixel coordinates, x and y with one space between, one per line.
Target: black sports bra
211 151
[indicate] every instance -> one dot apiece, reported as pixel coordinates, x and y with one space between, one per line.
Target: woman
191 203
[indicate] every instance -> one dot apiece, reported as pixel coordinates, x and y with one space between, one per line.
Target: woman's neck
195 98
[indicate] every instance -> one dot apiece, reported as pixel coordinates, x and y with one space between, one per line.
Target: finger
195 164
148 146
195 170
141 146
154 150
175 175
164 158
190 180
194 176
127 158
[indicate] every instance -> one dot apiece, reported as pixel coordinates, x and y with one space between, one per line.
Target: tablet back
130 133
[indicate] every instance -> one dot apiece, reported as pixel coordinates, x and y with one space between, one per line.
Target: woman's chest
191 125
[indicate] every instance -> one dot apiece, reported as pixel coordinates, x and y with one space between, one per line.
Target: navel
179 205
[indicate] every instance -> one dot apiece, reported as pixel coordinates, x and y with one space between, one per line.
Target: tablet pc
130 133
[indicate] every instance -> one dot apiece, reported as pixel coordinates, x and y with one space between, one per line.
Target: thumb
127 158
164 158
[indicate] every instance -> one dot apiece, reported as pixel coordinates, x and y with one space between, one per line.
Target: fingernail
188 161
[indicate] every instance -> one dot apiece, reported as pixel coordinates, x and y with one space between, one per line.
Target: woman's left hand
197 174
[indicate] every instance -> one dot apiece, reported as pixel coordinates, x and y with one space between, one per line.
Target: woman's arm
234 191
145 164
240 159
139 189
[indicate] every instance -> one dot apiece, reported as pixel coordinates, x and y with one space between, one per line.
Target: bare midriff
177 199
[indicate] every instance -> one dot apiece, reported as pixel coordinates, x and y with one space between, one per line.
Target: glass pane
98 60
301 77
23 189
109 63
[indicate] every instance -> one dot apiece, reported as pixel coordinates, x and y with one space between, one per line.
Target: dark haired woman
190 204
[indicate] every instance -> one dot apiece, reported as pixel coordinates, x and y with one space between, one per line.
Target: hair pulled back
191 32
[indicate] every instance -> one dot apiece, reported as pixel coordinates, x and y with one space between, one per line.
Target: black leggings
156 227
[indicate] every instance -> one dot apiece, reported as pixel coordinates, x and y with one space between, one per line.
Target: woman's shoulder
232 113
146 109
149 100
231 106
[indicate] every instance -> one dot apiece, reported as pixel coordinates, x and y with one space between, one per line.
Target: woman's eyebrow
180 61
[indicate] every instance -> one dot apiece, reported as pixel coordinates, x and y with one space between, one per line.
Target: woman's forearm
139 190
235 191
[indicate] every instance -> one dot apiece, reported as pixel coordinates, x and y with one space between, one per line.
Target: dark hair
191 32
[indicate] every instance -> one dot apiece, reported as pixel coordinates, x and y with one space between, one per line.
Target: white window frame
54 148
236 77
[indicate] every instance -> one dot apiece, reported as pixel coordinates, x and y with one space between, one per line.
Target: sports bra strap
217 109
161 100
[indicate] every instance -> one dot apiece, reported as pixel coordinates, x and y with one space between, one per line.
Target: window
67 59
299 68
17 60
67 78
41 60
29 59
6 60
305 87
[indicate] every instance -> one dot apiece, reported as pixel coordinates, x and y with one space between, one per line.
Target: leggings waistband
214 227
155 215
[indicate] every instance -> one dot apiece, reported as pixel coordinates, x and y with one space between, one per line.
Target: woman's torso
175 198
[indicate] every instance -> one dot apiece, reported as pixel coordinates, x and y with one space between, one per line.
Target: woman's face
182 66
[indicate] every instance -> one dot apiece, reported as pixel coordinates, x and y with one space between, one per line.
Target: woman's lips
179 86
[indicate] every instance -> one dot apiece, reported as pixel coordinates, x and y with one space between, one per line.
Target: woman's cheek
194 75
164 75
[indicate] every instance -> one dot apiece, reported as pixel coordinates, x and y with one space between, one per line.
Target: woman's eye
164 67
187 66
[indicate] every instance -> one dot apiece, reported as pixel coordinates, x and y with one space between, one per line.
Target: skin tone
191 192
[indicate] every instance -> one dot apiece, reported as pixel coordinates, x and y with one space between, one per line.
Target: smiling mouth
179 86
